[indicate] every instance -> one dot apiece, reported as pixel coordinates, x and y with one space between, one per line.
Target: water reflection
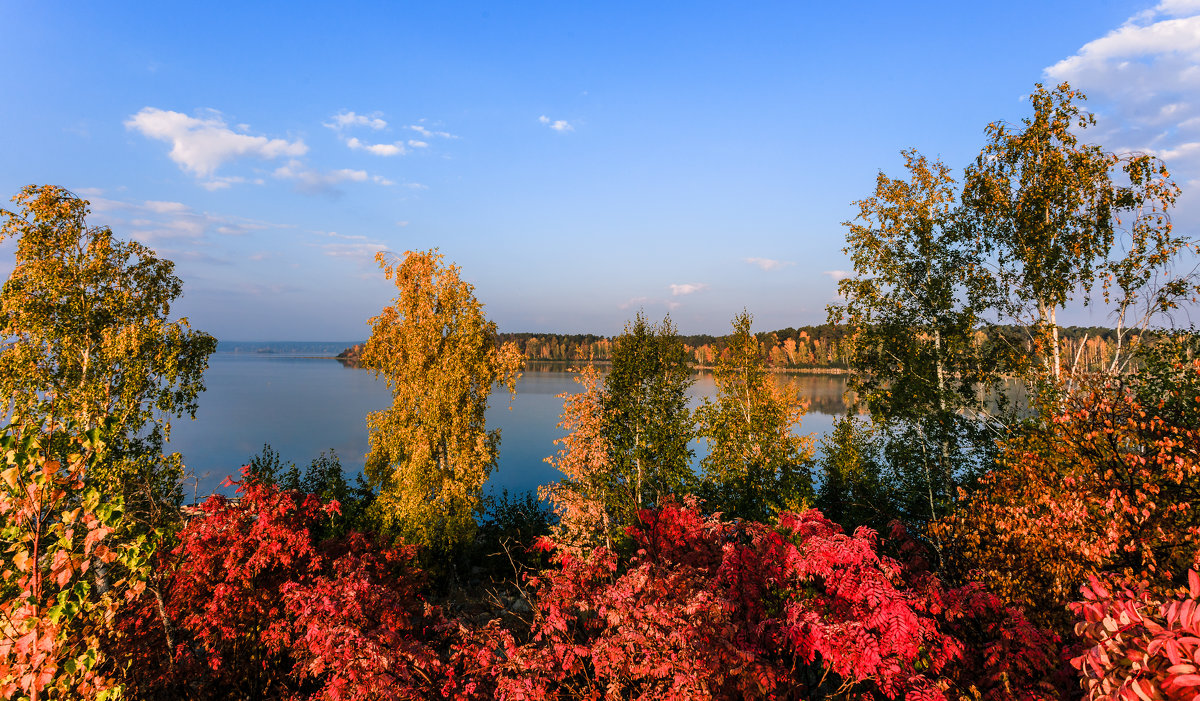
303 406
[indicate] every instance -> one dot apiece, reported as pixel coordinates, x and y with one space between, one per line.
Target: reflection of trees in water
824 392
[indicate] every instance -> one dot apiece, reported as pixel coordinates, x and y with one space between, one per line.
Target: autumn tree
916 302
756 466
1108 485
627 441
87 338
1061 219
647 422
579 499
431 451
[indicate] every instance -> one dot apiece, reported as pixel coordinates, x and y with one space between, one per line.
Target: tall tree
756 466
431 452
87 339
916 302
1061 219
648 422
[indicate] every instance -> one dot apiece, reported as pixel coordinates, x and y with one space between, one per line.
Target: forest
940 543
824 348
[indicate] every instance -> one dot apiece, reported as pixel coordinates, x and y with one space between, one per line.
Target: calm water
303 406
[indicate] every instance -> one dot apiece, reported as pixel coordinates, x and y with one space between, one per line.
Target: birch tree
1064 221
922 360
431 451
87 340
756 465
649 426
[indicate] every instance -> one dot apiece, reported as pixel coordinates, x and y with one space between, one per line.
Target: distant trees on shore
821 347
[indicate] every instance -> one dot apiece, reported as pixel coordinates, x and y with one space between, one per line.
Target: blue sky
578 161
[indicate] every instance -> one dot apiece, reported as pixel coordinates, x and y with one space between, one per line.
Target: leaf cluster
64 574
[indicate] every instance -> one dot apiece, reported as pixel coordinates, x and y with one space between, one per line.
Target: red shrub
708 609
1139 645
256 608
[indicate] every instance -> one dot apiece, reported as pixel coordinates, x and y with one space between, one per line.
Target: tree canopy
756 466
1061 218
431 451
648 422
87 339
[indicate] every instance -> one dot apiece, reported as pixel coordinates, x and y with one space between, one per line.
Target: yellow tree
431 452
85 338
756 466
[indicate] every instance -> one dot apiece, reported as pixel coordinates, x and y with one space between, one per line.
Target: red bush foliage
1139 645
710 609
254 607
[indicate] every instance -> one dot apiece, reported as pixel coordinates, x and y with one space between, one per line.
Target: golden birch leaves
431 451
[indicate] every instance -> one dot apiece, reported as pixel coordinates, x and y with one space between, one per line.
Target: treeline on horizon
823 347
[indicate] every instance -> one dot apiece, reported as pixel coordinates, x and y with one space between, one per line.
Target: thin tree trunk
941 399
1054 331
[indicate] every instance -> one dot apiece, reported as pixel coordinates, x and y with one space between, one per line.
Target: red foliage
709 609
362 630
254 607
1140 646
704 609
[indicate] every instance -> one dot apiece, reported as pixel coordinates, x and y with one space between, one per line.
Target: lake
302 406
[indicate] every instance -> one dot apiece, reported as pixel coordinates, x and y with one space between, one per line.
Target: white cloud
429 133
314 181
769 263
838 274
222 182
165 207
157 223
1143 83
635 301
200 145
345 120
556 124
396 149
349 246
687 288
